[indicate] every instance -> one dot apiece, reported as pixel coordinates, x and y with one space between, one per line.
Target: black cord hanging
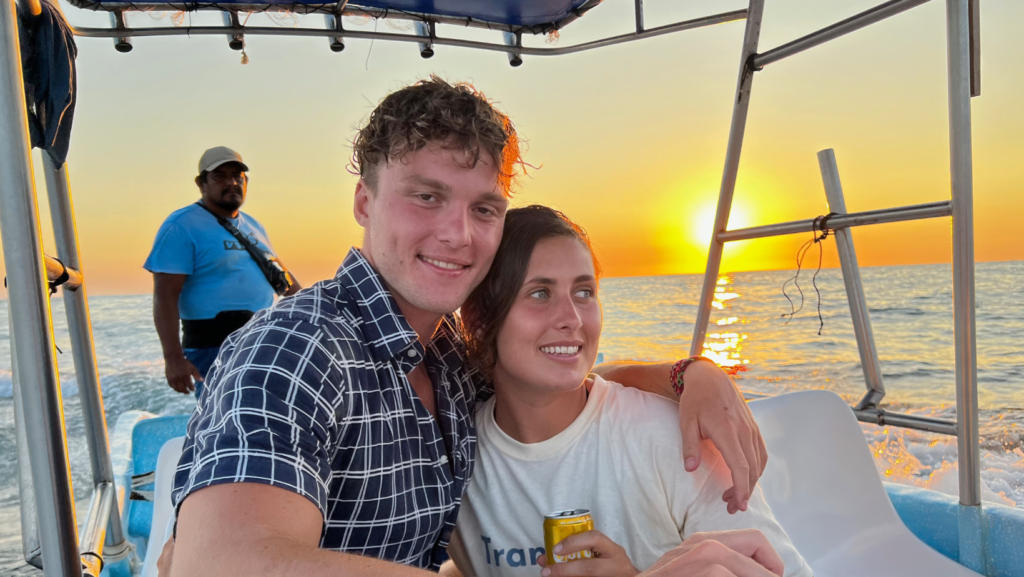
820 225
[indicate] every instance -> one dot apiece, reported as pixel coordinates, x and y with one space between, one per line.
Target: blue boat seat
163 508
823 487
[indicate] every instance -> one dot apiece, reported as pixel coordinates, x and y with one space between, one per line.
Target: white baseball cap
217 156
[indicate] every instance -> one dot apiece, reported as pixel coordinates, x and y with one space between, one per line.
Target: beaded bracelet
676 375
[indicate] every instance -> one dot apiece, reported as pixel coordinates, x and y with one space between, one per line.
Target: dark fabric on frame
48 53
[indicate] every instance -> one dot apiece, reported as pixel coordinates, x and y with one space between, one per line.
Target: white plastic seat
823 487
163 508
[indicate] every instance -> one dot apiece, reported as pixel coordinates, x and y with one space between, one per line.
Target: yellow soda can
561 524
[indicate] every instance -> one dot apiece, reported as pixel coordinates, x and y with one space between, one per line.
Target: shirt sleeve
173 251
270 414
708 513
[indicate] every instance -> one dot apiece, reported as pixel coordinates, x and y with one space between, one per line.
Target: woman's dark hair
486 308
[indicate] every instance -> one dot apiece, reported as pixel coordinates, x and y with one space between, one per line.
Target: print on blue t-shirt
222 276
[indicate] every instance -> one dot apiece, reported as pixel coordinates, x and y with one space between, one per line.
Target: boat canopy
534 16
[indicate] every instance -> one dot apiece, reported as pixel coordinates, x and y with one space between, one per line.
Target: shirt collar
447 345
384 325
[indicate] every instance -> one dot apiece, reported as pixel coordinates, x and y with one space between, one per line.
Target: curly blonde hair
456 115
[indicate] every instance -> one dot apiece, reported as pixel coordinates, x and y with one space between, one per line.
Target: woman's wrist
676 376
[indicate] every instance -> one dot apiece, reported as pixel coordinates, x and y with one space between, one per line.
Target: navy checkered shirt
312 396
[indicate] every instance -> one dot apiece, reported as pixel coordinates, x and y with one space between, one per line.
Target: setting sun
701 222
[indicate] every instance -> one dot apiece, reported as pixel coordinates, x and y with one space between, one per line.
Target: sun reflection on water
724 348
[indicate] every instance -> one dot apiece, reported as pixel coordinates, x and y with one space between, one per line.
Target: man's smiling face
433 223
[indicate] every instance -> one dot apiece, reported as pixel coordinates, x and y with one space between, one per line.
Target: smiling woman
534 325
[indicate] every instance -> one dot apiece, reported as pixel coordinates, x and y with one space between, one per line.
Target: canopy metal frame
120 31
964 81
340 8
37 385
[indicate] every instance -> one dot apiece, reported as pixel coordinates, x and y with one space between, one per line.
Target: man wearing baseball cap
213 267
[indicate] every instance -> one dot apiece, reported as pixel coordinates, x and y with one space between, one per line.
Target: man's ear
199 182
361 203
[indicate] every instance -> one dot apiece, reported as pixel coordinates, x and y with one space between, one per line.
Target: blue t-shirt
222 275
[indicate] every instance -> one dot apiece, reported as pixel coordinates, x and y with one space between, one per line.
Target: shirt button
411 353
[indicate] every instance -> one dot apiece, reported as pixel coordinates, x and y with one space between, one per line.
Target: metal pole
122 44
963 252
842 28
974 16
722 18
26 493
882 418
425 30
54 270
514 40
76 305
732 165
639 10
971 522
854 288
958 47
868 217
30 313
95 529
334 23
230 19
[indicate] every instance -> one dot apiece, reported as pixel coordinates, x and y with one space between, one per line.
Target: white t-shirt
622 459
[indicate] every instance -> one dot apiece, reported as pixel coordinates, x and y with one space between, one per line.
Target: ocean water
652 318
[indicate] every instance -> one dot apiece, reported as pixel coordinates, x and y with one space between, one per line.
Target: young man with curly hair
336 436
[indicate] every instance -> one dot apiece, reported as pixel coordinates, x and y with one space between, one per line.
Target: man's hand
711 407
745 553
179 371
609 560
180 374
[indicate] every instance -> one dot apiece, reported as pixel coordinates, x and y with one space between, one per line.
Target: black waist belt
203 333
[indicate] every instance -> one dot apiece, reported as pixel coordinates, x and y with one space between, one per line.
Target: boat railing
60 274
964 81
839 223
49 530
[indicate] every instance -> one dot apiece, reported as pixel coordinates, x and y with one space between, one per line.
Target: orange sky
630 140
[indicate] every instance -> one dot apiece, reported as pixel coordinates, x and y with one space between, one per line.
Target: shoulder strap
260 256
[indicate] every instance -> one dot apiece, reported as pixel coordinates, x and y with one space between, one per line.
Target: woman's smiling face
549 340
